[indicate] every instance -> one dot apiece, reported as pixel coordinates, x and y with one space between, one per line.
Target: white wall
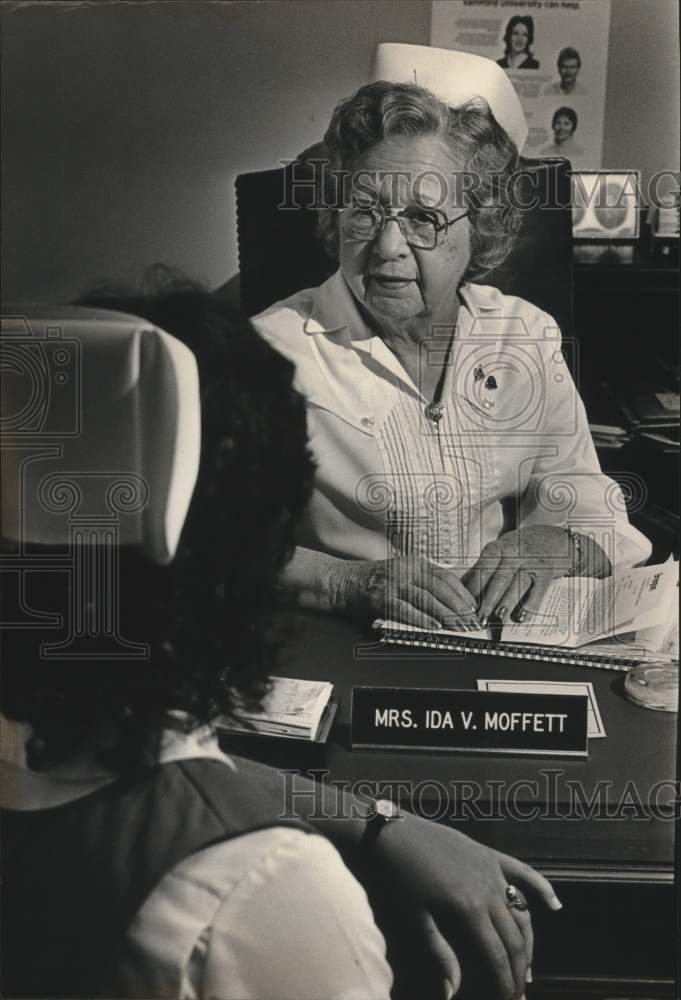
125 125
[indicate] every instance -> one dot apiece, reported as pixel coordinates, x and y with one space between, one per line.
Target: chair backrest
279 252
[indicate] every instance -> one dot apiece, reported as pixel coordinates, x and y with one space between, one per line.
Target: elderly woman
518 38
456 475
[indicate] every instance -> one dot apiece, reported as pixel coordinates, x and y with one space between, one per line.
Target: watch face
387 809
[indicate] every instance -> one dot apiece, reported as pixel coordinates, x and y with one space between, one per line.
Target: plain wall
642 103
125 125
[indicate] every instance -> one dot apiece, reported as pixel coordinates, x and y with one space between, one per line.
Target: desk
615 936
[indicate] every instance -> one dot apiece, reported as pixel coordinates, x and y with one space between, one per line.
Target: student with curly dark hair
255 473
138 860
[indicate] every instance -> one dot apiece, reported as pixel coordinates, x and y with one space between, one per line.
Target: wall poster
555 53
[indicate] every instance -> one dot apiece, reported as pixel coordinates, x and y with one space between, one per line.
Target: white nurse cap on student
454 77
101 430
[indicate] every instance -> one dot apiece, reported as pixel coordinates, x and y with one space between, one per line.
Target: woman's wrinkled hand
461 886
406 589
513 573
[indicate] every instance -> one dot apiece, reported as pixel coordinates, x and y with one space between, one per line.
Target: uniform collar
23 789
333 299
480 299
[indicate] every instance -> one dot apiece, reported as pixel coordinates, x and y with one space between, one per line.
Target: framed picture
605 204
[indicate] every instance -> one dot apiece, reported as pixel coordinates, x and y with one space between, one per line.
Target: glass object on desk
654 685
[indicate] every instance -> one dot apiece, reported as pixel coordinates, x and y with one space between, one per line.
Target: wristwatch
382 811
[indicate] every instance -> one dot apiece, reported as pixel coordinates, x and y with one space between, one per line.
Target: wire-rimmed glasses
423 228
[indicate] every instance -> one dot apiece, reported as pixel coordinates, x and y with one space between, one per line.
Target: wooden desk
613 866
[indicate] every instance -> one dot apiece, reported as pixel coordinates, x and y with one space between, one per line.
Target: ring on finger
515 900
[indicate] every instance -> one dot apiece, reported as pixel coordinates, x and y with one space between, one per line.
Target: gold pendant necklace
435 411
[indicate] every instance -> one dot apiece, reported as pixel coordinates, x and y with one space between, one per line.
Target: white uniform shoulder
246 911
514 316
283 323
299 925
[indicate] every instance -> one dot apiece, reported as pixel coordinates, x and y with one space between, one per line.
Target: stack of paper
294 708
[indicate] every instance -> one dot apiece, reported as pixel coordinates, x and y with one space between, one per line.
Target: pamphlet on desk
615 623
293 709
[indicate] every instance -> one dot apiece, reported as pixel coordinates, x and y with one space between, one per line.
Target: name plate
480 721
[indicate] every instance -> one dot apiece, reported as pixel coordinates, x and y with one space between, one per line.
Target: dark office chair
279 253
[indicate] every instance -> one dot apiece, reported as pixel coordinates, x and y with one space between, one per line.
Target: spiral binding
516 651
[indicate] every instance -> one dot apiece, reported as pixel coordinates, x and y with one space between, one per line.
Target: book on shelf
628 618
651 406
648 406
609 436
292 709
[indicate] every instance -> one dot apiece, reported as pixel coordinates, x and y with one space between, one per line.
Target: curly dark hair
207 616
487 155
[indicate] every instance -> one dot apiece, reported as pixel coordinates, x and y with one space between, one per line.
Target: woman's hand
406 589
513 573
459 886
445 889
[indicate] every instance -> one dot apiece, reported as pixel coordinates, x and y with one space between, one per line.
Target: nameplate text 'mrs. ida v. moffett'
478 721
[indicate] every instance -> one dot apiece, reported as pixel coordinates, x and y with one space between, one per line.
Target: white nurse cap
454 77
101 425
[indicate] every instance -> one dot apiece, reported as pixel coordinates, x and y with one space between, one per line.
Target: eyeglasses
424 228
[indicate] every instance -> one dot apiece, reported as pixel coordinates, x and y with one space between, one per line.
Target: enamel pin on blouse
490 384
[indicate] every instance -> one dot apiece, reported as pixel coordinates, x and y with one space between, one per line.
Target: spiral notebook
614 624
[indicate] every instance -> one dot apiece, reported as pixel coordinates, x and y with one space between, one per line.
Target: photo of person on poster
569 64
564 125
567 44
518 38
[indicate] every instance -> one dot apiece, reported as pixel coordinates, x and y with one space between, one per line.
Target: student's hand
514 572
406 589
441 958
461 885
